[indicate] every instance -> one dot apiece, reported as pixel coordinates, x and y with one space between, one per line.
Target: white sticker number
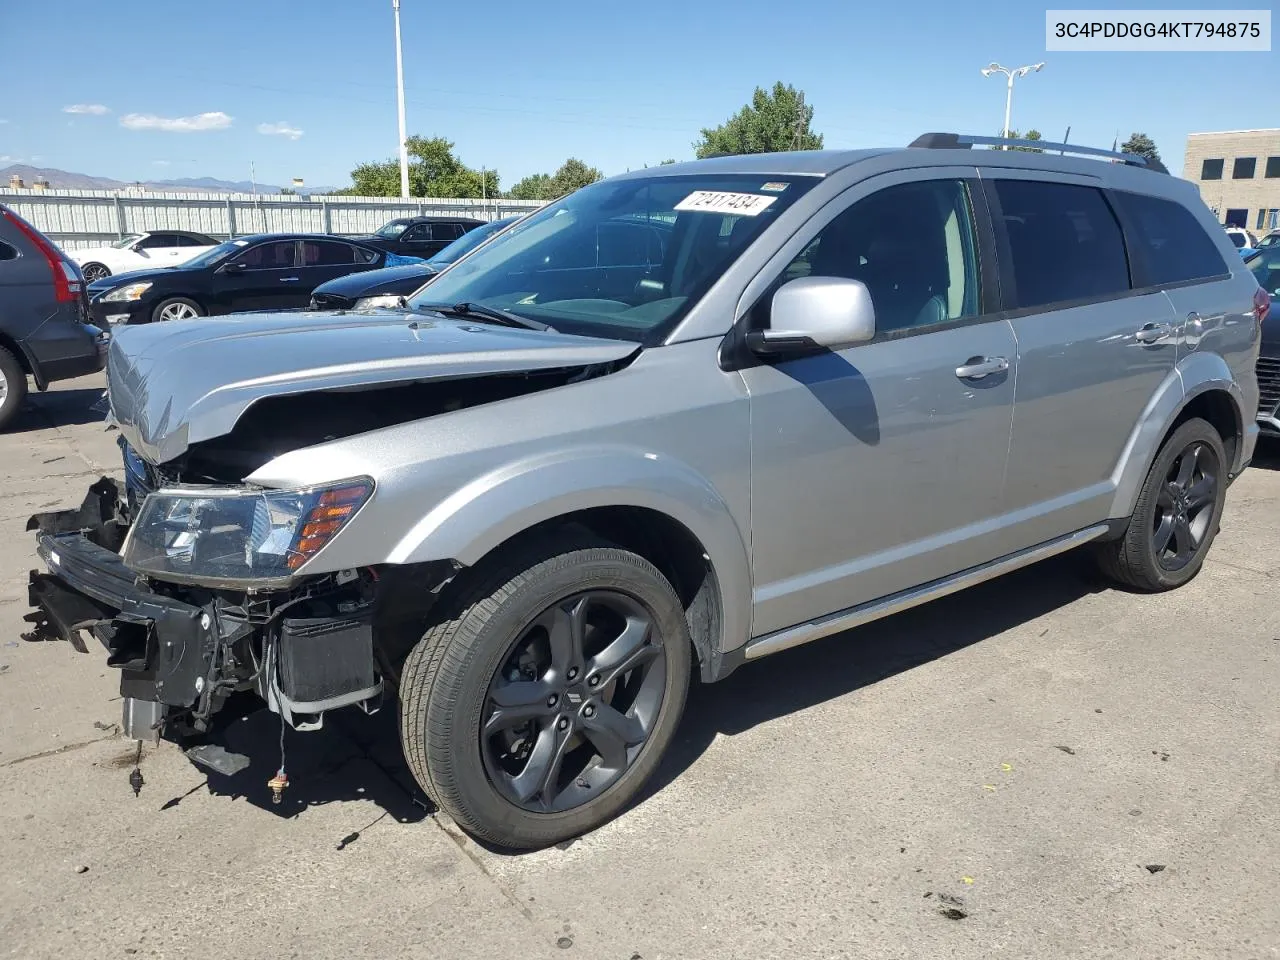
715 201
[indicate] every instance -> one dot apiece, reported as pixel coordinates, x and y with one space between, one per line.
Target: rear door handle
288 279
975 368
1153 332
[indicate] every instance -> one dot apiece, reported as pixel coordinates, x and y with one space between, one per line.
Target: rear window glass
1172 244
7 252
1064 241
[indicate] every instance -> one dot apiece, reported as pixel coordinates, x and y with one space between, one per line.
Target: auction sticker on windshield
715 201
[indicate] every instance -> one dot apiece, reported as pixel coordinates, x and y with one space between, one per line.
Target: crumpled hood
176 384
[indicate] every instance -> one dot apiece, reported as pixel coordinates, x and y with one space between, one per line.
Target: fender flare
492 508
1193 376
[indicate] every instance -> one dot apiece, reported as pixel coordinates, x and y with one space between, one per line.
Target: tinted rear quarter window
1065 243
1171 244
7 252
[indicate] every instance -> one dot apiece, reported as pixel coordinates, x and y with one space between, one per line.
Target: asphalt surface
1041 767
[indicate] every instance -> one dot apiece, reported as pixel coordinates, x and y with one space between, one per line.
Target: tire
1173 505
468 657
95 271
13 387
176 308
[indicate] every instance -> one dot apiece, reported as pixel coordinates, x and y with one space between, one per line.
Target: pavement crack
461 842
65 748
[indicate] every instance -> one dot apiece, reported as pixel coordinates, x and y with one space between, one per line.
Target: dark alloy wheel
574 701
1185 505
94 271
546 689
1176 515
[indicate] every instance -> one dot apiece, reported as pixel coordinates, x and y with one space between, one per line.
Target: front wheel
176 308
1177 513
95 271
537 708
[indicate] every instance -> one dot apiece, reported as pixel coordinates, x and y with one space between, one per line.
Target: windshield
469 241
393 229
128 241
623 259
1270 240
213 255
1265 266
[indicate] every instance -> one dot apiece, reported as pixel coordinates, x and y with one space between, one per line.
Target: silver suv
681 419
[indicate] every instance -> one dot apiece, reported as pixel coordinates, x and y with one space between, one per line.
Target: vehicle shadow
354 757
841 664
1267 454
59 408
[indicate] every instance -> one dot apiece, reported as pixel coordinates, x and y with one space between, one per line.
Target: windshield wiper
479 311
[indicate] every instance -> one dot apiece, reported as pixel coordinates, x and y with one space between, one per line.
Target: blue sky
305 88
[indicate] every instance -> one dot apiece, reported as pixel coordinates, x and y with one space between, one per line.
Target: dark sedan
384 288
266 272
1265 265
420 236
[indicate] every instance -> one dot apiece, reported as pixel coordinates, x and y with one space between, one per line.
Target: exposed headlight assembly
235 537
382 300
130 291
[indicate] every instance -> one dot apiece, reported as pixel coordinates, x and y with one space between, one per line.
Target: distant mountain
63 179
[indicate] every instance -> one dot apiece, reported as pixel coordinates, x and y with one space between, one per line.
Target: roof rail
958 141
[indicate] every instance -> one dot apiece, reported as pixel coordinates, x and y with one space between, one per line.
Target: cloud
161 163
96 109
216 120
280 129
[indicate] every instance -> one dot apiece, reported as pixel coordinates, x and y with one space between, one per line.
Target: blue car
384 288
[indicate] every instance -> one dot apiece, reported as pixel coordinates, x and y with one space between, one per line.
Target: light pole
404 150
1012 75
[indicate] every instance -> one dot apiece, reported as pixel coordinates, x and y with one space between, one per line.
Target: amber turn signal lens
331 511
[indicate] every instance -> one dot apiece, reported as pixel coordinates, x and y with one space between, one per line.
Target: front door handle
288 279
1153 332
975 368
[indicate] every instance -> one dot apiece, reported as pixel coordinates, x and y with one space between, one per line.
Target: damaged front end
193 593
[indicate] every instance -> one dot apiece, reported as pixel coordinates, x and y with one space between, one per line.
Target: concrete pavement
1041 767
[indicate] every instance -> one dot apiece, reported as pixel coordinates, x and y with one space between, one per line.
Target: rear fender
493 508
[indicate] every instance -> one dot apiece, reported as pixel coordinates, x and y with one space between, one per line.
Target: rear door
325 260
1092 349
161 249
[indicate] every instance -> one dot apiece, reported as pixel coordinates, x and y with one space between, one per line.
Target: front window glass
468 241
624 259
220 252
1265 266
393 229
277 255
128 241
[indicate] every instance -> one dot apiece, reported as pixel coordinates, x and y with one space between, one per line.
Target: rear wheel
13 387
1177 513
176 308
538 707
95 271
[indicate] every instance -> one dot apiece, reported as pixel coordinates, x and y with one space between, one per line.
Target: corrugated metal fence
84 218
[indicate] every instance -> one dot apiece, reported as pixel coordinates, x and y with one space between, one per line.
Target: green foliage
772 121
1142 145
433 172
1030 135
288 192
665 163
536 186
572 175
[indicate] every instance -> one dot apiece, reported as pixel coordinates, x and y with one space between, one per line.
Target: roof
817 163
436 218
256 237
1223 133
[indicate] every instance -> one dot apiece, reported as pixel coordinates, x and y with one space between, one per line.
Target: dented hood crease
176 384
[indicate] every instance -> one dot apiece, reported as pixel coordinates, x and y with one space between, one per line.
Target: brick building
1238 173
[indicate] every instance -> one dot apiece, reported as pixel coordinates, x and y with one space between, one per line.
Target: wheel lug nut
552 700
594 680
573 673
588 711
562 723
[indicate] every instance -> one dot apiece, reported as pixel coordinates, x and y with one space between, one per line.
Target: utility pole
404 150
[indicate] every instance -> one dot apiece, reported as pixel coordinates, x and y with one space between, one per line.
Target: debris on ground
82 869
1067 750
99 725
564 943
952 913
1154 867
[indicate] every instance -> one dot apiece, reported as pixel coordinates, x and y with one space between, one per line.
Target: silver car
679 420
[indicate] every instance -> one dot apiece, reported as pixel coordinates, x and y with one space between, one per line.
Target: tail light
1261 305
68 284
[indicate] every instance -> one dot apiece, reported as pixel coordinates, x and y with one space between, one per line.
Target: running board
857 616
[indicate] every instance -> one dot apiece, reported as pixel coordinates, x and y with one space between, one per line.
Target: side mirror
811 313
234 268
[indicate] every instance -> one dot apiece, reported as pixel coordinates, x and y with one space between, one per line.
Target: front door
1091 353
264 276
880 467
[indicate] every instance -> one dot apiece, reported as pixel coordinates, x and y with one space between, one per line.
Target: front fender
1194 375
490 509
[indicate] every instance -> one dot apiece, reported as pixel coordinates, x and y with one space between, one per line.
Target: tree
1142 145
433 172
536 186
1030 135
573 175
288 192
666 163
771 122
